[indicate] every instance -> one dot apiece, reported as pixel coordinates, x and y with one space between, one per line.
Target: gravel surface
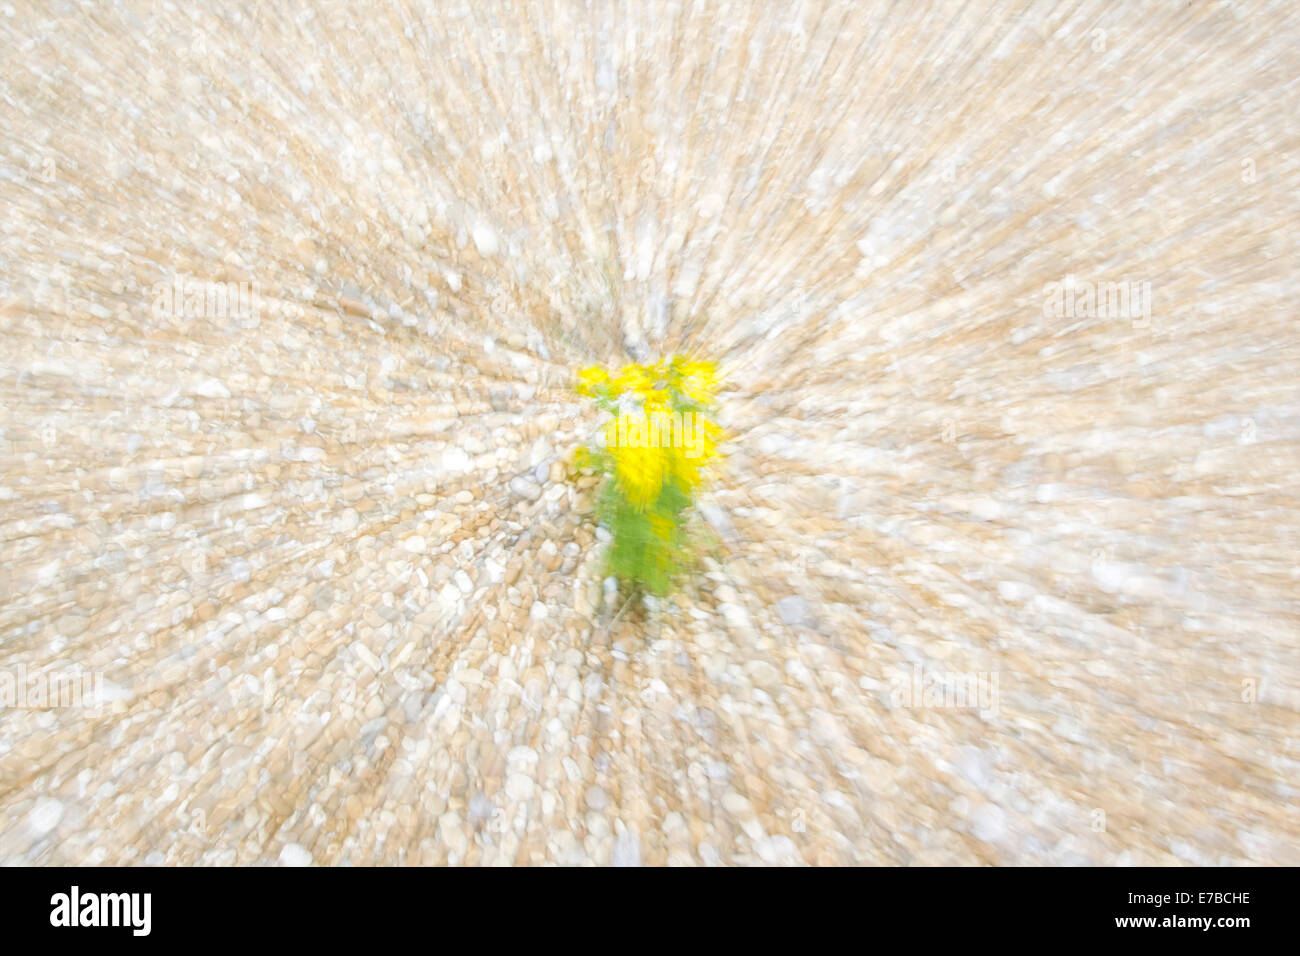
321 547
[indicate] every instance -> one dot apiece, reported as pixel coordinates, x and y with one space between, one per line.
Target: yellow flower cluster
654 384
640 474
677 390
658 442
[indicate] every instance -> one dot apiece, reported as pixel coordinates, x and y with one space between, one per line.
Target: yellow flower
591 379
654 400
641 469
687 465
698 381
637 379
641 474
657 445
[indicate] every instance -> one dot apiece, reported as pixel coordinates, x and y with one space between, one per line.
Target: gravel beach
1003 570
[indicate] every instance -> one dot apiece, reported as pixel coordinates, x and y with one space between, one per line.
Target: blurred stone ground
321 544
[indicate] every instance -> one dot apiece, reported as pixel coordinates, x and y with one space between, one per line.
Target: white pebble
45 816
294 855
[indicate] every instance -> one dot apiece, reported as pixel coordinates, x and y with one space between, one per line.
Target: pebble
735 804
45 815
627 849
794 610
485 239
525 488
988 823
519 786
294 855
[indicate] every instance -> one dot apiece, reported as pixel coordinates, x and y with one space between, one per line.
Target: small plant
657 444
